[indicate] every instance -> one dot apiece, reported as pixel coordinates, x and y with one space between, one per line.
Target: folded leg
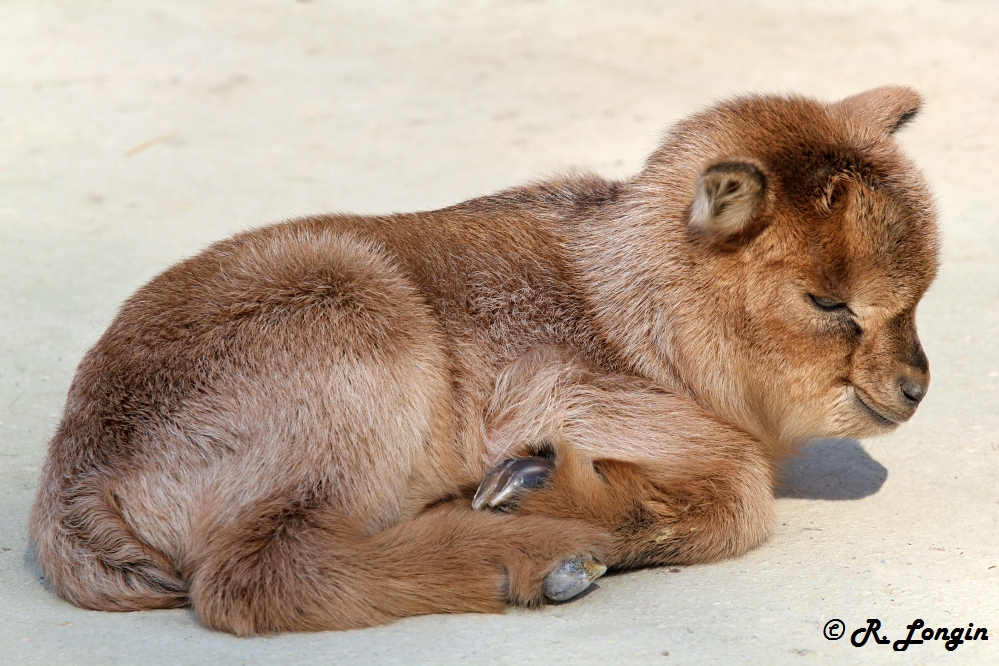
291 569
671 482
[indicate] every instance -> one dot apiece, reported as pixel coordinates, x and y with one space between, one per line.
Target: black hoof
508 481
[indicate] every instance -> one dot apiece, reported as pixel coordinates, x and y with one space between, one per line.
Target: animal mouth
878 415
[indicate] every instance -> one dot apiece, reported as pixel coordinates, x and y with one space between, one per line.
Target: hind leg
283 568
670 481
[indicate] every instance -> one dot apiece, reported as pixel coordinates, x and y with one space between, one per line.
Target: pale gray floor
134 132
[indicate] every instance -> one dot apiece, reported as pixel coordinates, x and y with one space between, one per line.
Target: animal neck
656 304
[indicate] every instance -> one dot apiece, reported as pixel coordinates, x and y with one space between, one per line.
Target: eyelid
829 304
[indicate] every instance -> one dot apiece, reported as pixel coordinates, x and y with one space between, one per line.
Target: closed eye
827 304
838 307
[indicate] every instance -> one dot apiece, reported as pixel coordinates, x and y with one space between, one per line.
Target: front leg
670 481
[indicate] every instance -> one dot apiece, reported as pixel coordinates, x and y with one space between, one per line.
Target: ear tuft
727 201
887 109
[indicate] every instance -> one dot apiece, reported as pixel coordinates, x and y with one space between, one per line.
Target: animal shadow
831 469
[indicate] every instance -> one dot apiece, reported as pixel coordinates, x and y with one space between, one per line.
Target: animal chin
879 417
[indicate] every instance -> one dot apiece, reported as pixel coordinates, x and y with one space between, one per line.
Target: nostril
913 390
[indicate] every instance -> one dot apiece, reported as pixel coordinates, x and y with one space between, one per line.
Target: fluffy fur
284 431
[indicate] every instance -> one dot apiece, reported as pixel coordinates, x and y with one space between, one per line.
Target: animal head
800 240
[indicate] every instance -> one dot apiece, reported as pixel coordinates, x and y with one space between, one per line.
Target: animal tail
90 556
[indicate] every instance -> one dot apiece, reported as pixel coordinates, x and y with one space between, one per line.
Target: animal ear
887 109
728 201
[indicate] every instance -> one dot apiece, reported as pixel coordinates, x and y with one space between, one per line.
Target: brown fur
284 431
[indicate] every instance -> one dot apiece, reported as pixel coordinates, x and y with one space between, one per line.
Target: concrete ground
134 132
